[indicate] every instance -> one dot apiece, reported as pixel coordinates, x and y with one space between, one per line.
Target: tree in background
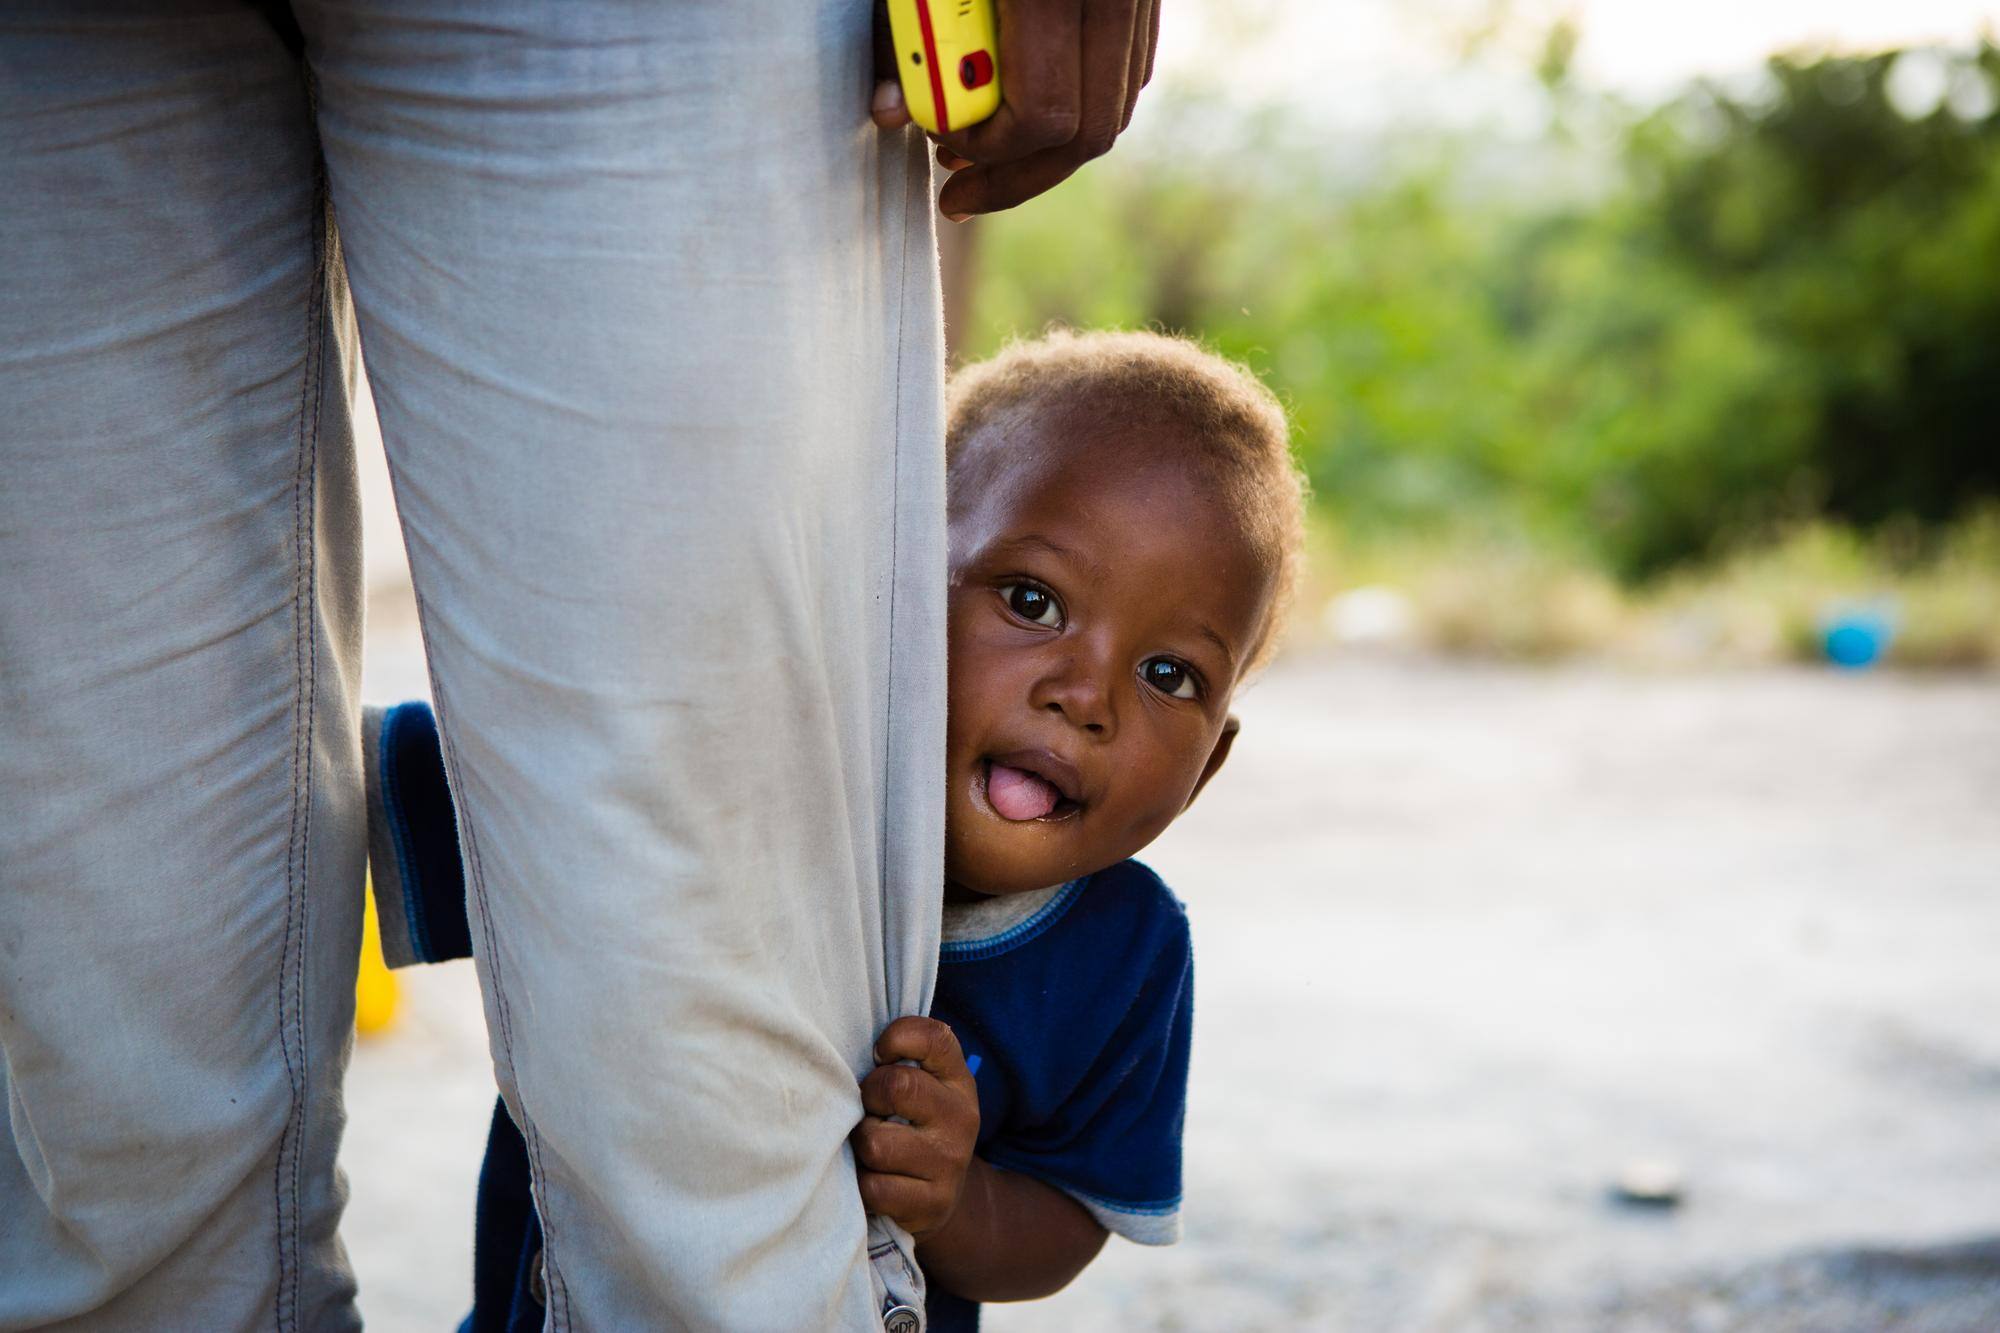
1779 303
1791 308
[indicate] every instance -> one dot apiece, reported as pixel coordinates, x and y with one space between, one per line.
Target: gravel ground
1471 941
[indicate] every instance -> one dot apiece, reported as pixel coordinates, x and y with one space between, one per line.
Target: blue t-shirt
1074 1007
1078 1012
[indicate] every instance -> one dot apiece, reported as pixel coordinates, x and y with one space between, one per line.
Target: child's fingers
901 1197
927 1041
899 1150
906 1091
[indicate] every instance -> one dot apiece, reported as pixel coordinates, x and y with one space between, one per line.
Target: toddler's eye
1170 677
1033 604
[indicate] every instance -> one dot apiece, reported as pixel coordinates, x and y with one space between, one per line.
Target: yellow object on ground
375 998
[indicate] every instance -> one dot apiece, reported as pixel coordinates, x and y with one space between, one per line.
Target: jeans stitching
291 1023
291 887
884 860
882 874
476 875
329 254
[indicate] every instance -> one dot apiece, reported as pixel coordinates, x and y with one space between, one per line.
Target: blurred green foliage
1777 305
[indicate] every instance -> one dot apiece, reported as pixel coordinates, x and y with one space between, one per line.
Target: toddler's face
1102 607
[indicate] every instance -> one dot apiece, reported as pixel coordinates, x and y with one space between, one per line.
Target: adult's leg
180 839
651 316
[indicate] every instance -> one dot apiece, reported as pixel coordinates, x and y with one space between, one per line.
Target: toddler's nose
1078 691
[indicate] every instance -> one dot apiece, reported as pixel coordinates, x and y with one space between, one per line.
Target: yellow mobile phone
948 55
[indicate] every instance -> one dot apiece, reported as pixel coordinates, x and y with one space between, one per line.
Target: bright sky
1645 45
1370 61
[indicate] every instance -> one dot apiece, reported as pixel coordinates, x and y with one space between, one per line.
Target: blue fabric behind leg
425 831
416 798
507 1240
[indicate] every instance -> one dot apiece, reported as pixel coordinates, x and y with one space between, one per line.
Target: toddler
1125 525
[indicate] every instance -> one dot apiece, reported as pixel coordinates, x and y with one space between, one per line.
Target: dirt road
1469 941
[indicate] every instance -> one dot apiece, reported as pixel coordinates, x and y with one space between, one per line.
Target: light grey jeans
651 317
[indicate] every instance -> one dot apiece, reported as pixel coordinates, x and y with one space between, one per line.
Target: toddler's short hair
1236 426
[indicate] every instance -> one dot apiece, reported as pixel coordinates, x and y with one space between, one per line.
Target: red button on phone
976 70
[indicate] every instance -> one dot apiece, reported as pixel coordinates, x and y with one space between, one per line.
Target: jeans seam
884 905
329 254
553 1277
298 861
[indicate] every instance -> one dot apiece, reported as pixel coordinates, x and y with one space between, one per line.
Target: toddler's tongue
1019 795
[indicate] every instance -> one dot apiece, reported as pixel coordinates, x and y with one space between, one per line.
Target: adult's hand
1070 74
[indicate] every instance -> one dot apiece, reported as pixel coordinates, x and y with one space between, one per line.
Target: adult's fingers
1143 20
1113 33
1041 83
1152 40
989 189
887 108
1108 40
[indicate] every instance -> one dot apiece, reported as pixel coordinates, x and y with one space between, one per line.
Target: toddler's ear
1230 726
